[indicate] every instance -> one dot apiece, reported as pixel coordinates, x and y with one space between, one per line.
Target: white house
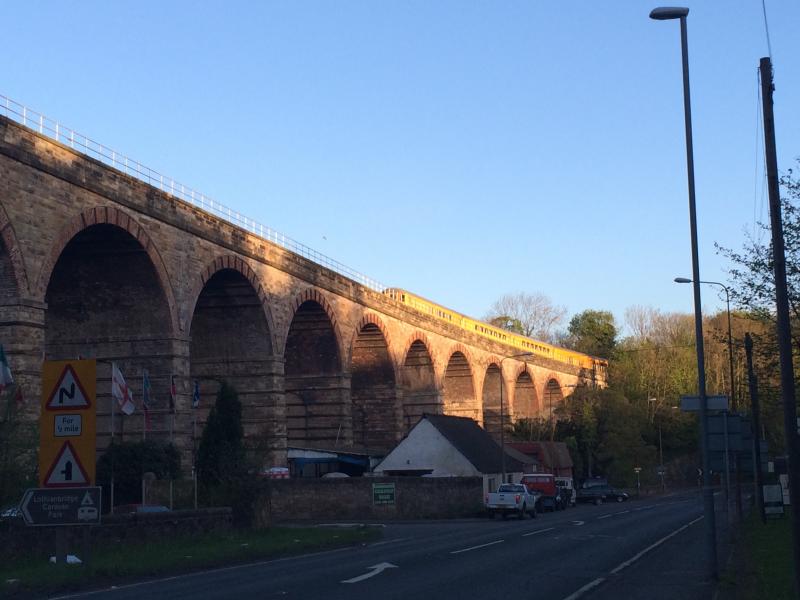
446 446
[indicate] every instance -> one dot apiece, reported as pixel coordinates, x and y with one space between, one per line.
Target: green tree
221 456
593 332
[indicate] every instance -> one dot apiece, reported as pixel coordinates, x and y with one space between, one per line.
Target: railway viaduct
97 262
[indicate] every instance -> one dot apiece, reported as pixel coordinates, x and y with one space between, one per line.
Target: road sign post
68 506
67 426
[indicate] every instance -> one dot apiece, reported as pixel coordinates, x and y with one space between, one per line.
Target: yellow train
593 364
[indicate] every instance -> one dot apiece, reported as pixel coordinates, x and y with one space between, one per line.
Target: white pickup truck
511 498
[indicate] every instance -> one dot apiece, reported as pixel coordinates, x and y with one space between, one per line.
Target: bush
129 461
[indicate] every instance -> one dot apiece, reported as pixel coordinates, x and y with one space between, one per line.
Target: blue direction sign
68 506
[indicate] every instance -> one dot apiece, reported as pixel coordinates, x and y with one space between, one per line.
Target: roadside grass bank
30 576
762 568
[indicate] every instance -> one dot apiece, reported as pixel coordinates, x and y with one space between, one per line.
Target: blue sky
460 150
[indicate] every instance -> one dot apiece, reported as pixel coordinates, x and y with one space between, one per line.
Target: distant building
447 446
553 457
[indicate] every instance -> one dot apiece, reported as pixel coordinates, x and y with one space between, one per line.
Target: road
649 548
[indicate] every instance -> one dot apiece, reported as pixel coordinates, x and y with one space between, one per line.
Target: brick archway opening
420 394
526 405
373 391
459 392
491 401
231 341
105 300
553 399
317 392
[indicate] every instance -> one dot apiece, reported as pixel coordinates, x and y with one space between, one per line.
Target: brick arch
544 400
459 347
419 336
107 215
369 318
314 295
238 264
14 252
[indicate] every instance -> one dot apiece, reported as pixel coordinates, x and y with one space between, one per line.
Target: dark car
598 494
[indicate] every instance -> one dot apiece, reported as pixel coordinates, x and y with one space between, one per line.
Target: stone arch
373 387
458 389
552 395
106 299
312 294
318 403
241 266
12 260
419 383
109 215
232 339
369 318
526 401
490 399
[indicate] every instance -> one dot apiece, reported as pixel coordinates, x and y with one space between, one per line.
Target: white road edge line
538 531
604 516
622 512
476 547
627 563
586 588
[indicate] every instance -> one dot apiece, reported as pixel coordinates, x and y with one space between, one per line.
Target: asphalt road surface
651 548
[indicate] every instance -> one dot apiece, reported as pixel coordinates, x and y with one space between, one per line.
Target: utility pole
755 418
782 310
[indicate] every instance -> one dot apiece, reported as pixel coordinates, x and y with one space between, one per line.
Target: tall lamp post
730 365
730 337
502 416
663 14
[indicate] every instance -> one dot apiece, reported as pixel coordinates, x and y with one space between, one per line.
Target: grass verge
136 561
762 568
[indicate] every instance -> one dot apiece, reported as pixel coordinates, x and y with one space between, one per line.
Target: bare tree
532 315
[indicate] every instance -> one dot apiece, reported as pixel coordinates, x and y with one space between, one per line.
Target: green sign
383 493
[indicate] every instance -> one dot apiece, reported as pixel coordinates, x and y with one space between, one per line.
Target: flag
173 394
196 395
146 398
6 378
120 391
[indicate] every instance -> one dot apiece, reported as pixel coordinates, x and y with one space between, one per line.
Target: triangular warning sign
87 500
68 393
66 470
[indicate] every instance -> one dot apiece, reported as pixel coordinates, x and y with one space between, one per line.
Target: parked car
511 498
598 494
550 494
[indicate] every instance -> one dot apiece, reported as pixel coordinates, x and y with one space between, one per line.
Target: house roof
474 443
553 455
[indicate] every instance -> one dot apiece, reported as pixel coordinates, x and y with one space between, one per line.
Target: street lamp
730 364
502 416
730 337
662 14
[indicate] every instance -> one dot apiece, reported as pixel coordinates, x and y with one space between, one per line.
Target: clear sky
460 150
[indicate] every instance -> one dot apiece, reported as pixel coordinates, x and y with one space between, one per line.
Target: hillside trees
593 332
530 314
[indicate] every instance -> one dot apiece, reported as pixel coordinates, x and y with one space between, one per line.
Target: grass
128 562
764 567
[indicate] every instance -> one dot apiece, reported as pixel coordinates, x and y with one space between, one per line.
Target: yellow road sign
67 426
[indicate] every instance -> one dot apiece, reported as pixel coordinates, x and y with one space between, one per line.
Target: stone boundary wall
17 539
352 499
